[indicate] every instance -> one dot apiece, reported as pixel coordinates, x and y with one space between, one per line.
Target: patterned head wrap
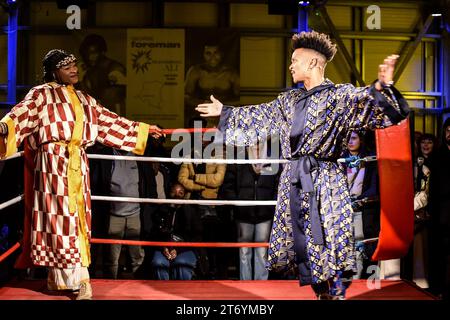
55 59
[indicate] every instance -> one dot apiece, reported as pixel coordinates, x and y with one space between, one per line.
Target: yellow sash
74 177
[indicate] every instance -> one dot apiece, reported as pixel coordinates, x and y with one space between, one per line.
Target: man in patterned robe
59 123
312 226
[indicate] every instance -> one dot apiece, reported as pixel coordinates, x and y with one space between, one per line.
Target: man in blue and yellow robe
312 227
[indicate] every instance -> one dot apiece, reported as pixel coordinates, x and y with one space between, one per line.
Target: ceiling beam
408 50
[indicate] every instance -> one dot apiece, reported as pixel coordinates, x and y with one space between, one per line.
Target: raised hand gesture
386 71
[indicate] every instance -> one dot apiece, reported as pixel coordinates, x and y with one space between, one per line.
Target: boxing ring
20 289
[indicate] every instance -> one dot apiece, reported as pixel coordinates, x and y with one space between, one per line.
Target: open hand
212 109
386 70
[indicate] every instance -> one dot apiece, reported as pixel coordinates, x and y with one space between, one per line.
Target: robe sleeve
120 133
371 109
22 120
247 125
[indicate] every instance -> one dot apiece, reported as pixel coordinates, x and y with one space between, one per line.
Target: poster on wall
212 68
155 74
101 61
101 67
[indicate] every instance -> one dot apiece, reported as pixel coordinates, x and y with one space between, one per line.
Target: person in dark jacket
252 182
121 220
440 217
174 223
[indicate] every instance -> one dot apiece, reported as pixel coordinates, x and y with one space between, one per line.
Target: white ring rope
365 159
15 155
241 203
11 202
188 160
177 201
368 240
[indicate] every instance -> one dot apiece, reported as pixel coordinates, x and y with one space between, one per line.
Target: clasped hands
170 254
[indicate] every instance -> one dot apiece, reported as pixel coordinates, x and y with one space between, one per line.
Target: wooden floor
210 290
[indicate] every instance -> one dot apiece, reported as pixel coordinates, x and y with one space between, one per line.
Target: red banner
396 191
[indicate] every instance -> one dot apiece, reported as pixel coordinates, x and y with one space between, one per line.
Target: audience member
202 182
120 220
252 182
421 215
176 222
440 217
363 187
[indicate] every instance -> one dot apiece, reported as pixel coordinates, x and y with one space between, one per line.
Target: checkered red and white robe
46 116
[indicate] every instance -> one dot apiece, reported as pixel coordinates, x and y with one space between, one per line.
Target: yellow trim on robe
74 177
141 141
8 147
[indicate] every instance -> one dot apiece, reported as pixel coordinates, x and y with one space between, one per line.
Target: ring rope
181 244
193 244
368 240
11 202
174 201
357 159
241 203
8 252
188 160
187 130
15 155
169 244
223 161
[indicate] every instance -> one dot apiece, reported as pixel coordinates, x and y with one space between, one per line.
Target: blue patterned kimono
329 116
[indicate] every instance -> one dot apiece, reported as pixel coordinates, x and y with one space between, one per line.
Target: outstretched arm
376 106
248 124
121 133
20 122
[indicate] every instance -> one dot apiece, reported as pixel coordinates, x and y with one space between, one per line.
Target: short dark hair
446 123
427 136
316 41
